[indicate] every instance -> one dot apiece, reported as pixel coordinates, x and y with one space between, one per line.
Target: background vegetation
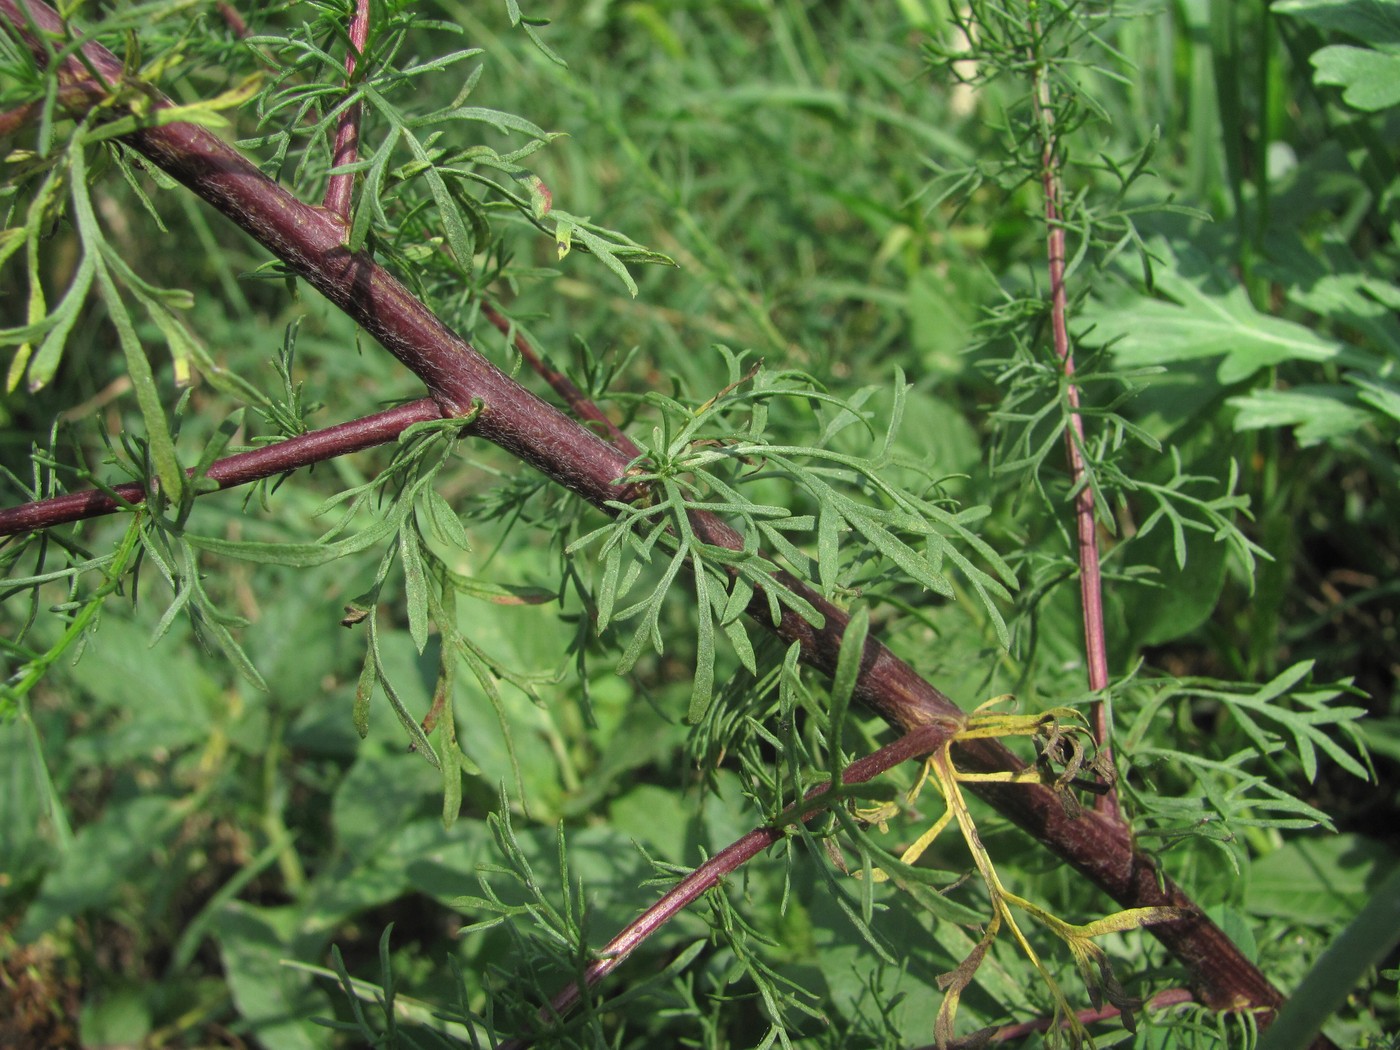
189 820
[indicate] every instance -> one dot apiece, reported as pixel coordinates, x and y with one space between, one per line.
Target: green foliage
703 460
1222 794
201 800
1365 74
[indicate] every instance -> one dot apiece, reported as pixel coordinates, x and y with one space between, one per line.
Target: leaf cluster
707 459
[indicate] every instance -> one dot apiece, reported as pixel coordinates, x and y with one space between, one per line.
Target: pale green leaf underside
1369 79
1317 413
1209 315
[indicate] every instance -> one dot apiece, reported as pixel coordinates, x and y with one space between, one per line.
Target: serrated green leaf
103 859
1380 395
1328 279
1375 21
1315 413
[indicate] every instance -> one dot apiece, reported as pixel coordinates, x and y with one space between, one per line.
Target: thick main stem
311 243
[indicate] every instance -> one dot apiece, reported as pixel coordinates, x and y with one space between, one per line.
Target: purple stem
1086 527
239 469
1011 1032
579 402
232 18
347 135
728 860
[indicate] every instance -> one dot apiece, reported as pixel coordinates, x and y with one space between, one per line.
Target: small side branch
1013 1032
917 744
347 134
579 403
232 18
1090 576
240 469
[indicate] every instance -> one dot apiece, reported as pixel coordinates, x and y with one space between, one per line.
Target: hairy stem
310 242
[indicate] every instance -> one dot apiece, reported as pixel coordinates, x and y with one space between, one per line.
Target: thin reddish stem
347 134
239 469
1012 1032
232 18
920 742
579 403
1090 574
21 116
77 98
